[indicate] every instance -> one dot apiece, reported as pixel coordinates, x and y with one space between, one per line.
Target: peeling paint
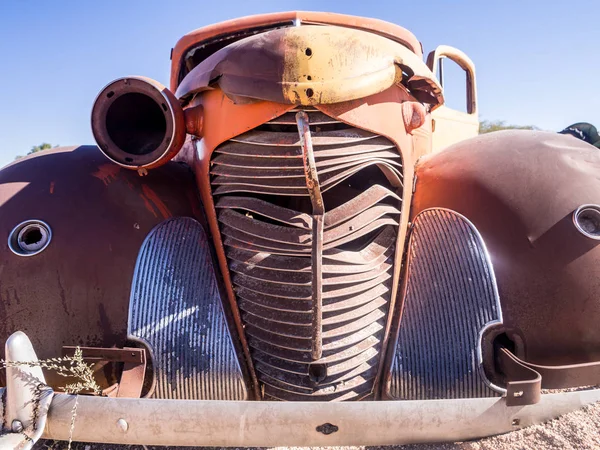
148 205
158 203
107 173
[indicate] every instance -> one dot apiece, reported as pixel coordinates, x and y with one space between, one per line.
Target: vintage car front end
276 253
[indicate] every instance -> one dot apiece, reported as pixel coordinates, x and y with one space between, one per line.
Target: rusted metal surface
132 379
194 120
310 168
378 115
546 270
313 284
309 228
524 380
311 65
523 384
316 118
218 129
139 124
97 354
83 278
318 211
414 115
218 35
262 166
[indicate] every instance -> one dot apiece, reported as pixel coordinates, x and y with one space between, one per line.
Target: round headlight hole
587 221
29 238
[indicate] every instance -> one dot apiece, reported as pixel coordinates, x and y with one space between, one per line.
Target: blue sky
537 61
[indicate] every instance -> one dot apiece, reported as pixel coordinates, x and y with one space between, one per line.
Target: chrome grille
177 310
310 247
451 297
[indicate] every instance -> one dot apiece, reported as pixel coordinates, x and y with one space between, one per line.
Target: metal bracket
523 386
525 380
26 398
134 366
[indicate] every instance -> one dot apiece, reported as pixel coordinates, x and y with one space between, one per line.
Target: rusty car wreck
298 243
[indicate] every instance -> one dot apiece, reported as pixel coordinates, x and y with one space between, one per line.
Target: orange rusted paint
219 127
156 201
357 71
148 205
107 173
363 80
380 113
194 120
249 74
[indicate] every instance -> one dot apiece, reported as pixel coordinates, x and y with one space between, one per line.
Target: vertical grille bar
318 210
317 286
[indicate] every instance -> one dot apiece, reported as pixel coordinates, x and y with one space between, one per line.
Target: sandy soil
577 430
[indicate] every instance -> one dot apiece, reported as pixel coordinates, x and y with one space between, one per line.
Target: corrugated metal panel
175 306
451 297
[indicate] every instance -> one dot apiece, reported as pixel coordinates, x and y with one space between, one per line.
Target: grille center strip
314 190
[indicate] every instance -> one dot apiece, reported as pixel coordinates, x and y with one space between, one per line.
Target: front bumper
29 413
266 424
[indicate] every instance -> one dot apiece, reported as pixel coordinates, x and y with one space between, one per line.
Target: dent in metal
311 65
